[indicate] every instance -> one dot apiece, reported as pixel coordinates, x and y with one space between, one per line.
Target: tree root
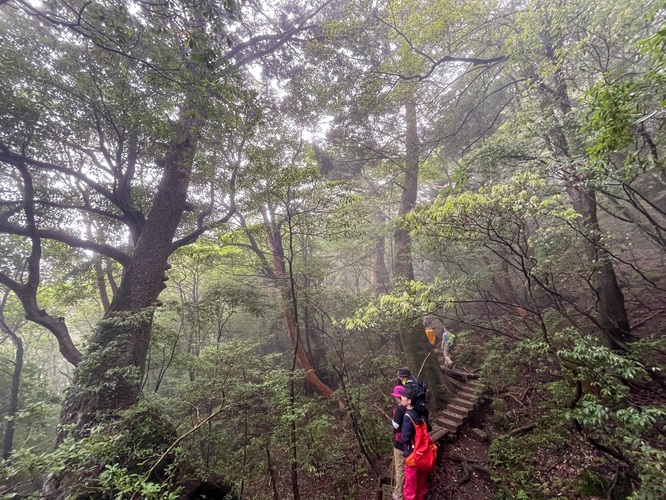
467 464
609 494
466 477
461 458
521 430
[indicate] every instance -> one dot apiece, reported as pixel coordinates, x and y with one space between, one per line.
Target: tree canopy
225 225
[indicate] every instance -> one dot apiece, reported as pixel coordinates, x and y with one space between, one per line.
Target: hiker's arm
407 430
398 417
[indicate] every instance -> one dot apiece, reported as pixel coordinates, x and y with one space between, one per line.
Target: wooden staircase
450 419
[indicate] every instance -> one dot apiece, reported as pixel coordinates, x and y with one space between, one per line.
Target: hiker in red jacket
416 481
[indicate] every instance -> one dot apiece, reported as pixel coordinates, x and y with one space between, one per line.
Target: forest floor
455 479
470 479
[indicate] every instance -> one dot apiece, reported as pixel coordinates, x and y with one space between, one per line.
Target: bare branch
7 156
71 240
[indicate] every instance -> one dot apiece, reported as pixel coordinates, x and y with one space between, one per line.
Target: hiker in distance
432 325
398 445
416 481
446 341
446 347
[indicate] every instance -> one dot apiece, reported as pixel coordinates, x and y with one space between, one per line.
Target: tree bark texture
402 260
415 343
610 307
109 378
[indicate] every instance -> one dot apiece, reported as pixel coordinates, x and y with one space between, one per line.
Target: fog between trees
223 225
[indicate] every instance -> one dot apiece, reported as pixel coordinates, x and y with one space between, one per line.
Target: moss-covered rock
499 417
591 483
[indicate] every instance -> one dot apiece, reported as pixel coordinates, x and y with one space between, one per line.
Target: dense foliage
223 225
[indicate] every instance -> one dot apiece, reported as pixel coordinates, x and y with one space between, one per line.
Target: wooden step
459 409
468 390
464 374
464 403
466 396
438 433
450 425
457 384
451 416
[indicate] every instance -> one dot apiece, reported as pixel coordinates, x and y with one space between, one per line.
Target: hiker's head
408 398
404 374
397 392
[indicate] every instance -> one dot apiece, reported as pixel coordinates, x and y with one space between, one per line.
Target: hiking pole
424 362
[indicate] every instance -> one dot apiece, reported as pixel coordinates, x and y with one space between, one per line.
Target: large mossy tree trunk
415 344
611 314
610 309
109 378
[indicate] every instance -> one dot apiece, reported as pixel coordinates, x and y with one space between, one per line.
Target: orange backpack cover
425 451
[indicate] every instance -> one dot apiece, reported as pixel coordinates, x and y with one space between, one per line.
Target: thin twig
382 411
175 443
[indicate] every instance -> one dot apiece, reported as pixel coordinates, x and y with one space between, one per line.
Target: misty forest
226 224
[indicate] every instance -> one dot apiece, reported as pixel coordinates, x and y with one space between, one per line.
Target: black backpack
421 390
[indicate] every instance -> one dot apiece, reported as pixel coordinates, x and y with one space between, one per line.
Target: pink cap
398 390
